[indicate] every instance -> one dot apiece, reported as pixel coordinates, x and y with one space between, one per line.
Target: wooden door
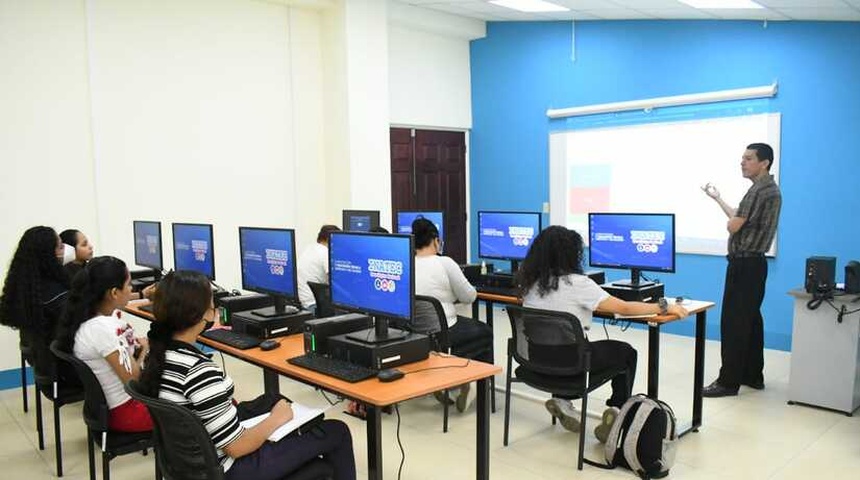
434 179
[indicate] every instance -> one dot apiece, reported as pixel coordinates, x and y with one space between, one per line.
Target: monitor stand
634 282
380 333
280 309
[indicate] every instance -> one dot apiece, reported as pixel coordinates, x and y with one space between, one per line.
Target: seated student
91 328
313 266
378 230
34 296
178 372
551 278
441 278
83 250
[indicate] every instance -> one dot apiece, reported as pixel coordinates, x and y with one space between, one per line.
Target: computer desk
419 380
697 307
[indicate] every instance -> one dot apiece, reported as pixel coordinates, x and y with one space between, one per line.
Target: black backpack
643 438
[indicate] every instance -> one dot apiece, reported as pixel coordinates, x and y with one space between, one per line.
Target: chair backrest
96 412
322 296
548 342
428 317
183 446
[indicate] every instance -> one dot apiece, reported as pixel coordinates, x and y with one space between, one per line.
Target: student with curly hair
93 331
177 371
551 278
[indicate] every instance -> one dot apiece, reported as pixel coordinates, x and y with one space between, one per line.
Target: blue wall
521 69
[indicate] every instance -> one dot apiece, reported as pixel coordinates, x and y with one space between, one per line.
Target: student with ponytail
93 331
177 371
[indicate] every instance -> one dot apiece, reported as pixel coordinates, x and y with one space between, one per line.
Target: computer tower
820 274
270 327
852 277
243 303
411 348
650 293
318 330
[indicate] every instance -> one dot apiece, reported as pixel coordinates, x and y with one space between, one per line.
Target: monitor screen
405 219
147 244
372 273
507 235
192 248
360 220
641 241
268 257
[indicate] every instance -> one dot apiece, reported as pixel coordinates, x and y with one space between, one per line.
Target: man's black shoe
715 390
756 385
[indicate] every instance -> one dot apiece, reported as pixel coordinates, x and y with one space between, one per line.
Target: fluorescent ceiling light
717 4
530 5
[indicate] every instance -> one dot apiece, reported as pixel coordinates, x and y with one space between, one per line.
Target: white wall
429 79
47 167
195 110
234 112
367 105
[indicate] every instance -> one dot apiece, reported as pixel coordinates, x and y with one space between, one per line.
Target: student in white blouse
551 278
441 278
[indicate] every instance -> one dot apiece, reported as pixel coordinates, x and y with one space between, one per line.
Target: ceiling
780 10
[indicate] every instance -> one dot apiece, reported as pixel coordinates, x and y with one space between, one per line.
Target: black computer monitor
635 241
192 248
360 220
403 221
373 274
507 235
147 245
268 258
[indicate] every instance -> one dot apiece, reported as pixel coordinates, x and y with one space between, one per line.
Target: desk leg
489 306
374 443
482 442
476 309
699 370
653 360
270 382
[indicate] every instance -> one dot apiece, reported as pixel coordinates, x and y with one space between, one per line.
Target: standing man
751 231
313 266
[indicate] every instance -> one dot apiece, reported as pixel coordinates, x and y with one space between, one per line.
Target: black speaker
820 274
852 277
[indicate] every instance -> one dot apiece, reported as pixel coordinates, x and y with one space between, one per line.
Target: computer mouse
269 344
389 375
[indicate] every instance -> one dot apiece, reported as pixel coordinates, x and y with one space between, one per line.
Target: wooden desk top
447 372
692 306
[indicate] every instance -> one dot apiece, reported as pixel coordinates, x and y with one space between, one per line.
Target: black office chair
429 318
553 356
96 414
322 296
57 383
26 357
184 449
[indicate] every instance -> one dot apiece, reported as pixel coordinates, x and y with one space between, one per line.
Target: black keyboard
241 341
346 371
146 308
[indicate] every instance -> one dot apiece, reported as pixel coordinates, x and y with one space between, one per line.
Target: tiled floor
753 436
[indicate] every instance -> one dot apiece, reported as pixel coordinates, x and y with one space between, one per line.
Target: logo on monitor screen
200 248
385 273
385 285
647 241
277 260
152 244
521 236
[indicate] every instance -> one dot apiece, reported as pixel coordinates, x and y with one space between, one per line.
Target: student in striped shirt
177 371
